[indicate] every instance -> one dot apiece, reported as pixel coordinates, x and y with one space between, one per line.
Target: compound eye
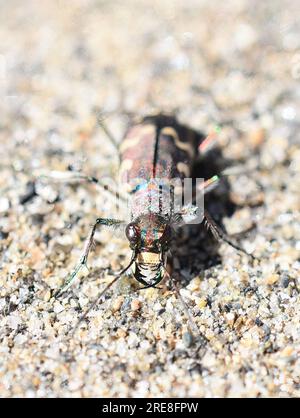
132 233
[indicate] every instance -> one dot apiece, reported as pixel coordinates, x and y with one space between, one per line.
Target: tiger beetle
156 147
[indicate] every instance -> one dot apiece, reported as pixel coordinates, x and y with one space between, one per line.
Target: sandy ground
235 64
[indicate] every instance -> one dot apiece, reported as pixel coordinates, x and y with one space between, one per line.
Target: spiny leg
220 235
83 259
208 185
193 327
209 142
98 298
107 132
67 177
174 282
189 211
78 177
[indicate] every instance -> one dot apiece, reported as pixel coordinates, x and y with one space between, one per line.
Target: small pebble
118 302
136 305
121 333
47 296
272 279
4 204
287 351
230 318
187 339
285 281
202 302
58 308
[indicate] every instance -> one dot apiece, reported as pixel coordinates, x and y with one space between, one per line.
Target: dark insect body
155 151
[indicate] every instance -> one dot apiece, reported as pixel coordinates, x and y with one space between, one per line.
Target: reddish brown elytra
154 152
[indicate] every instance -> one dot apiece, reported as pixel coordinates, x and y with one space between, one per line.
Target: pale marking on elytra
183 168
136 139
185 146
126 165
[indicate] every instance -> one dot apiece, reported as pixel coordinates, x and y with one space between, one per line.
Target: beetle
155 150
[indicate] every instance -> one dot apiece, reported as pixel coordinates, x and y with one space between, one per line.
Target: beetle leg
83 259
107 132
188 212
220 235
207 144
102 293
192 325
209 184
73 177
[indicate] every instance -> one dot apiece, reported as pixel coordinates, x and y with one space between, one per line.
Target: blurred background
235 64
